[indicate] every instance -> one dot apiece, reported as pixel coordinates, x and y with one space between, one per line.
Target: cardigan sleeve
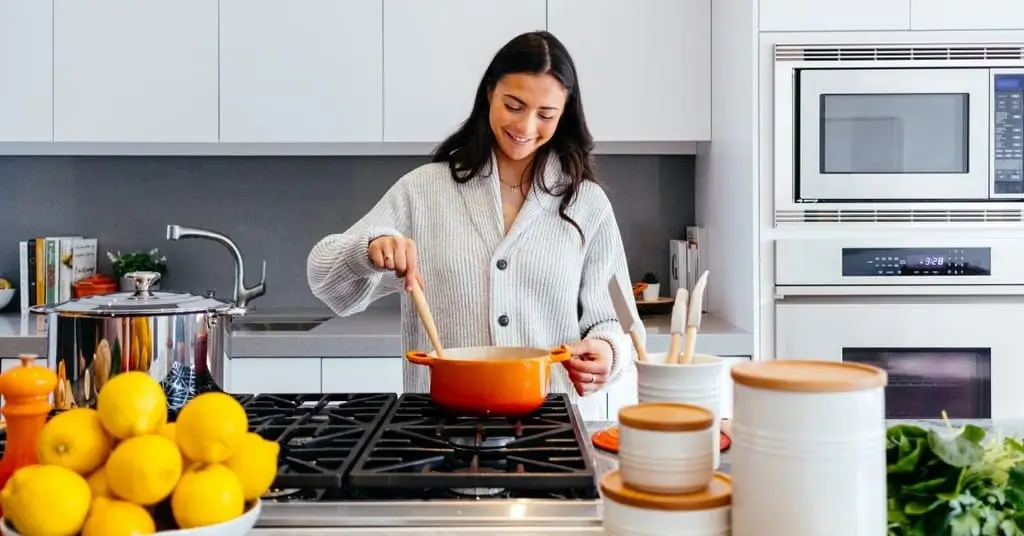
606 256
338 268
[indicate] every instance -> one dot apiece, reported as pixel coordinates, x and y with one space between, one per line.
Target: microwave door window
893 134
925 382
852 145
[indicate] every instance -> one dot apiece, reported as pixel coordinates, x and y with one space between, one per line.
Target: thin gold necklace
513 187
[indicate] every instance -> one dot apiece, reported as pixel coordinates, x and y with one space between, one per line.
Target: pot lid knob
143 281
27 384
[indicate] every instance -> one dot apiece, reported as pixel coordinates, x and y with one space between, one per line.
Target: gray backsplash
275 208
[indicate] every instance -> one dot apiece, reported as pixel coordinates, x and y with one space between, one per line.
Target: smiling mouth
517 139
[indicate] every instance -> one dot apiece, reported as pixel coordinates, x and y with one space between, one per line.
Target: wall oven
899 126
944 318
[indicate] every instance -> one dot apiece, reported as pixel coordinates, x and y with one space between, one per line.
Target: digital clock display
917 262
927 261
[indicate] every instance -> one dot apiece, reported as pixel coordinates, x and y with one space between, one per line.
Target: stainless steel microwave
893 134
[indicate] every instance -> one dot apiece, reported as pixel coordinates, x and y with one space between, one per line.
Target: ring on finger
593 378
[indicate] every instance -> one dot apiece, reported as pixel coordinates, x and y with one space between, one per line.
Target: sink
278 324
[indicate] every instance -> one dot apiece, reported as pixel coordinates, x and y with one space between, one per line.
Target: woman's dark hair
468 150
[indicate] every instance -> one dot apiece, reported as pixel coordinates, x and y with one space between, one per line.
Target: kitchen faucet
242 295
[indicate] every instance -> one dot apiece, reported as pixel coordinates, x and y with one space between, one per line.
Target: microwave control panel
928 261
1008 133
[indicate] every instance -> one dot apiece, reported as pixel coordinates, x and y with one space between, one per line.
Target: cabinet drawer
362 375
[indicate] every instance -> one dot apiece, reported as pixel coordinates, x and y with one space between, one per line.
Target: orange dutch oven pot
490 380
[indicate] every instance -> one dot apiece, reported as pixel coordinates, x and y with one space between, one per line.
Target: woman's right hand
398 254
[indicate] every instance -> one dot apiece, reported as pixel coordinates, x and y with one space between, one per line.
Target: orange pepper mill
26 391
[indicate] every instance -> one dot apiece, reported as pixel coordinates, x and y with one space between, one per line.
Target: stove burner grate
420 447
320 435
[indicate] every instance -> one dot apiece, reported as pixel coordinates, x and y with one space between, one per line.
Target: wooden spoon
420 301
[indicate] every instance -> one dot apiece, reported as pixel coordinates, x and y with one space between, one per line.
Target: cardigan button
502 264
503 320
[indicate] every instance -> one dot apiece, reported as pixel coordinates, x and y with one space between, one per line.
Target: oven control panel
925 261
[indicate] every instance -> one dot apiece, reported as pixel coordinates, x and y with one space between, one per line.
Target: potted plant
137 261
653 289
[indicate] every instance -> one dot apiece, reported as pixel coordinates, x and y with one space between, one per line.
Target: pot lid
141 302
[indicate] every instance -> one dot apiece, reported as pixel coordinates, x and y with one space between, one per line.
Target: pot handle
420 358
560 354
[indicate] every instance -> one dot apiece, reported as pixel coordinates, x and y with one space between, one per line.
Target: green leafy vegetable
954 482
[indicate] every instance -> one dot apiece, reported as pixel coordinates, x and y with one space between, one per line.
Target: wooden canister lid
666 417
717 494
800 376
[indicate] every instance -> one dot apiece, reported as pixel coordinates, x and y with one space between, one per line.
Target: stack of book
50 266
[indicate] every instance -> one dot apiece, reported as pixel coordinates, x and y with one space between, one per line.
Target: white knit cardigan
538 286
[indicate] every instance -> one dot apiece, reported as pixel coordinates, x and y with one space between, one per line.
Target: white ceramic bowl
239 526
6 295
666 448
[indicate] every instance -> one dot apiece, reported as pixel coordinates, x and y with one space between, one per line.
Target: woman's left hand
590 365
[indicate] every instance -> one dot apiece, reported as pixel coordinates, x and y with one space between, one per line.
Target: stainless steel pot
180 339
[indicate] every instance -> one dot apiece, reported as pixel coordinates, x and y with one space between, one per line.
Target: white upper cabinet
963 15
834 15
435 54
131 71
644 66
305 71
26 70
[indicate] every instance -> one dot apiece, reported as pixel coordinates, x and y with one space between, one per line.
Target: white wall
726 168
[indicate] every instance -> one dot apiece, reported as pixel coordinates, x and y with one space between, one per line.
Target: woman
506 230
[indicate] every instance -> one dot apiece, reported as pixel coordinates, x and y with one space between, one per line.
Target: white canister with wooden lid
808 448
630 512
666 447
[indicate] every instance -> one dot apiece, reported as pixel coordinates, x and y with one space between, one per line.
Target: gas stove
383 447
374 461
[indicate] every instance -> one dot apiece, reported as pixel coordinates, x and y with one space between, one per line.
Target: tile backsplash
275 208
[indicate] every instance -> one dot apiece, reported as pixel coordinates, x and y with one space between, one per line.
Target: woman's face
525 109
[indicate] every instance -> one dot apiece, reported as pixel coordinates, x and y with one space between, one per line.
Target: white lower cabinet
730 362
622 394
7 363
361 375
281 375
285 375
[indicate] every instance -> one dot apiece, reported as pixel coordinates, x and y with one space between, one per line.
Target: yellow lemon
255 465
169 431
210 427
144 469
207 495
111 517
98 483
46 500
74 439
131 404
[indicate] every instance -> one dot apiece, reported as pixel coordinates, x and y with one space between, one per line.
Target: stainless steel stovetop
387 464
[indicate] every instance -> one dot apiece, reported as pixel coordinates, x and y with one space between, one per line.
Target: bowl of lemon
122 468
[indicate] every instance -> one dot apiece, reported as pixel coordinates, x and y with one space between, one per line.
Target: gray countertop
375 332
